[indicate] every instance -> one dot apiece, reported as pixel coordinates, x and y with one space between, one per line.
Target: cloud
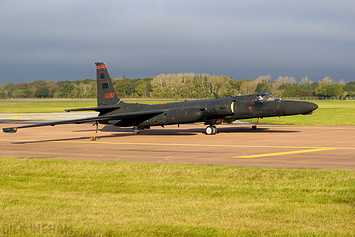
144 38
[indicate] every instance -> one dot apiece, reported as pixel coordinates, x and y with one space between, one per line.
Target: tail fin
106 93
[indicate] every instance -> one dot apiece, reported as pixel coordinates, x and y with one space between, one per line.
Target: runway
277 146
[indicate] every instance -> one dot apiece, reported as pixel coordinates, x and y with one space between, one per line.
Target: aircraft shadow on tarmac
181 131
125 132
53 140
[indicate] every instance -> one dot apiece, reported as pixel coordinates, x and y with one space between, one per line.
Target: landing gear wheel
136 131
211 130
214 130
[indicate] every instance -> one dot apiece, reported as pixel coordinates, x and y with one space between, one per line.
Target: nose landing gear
255 126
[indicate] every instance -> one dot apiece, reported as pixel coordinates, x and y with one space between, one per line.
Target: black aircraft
112 110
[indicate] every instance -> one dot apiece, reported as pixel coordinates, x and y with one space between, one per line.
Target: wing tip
10 130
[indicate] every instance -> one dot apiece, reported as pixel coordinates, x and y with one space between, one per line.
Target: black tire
209 130
214 130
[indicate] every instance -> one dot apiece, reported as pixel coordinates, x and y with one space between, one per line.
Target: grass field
74 198
44 106
336 113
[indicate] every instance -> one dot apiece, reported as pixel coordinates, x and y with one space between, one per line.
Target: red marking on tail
109 95
101 67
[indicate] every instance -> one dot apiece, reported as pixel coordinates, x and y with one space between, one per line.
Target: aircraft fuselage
211 111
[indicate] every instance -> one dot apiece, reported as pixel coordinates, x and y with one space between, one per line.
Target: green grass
118 198
44 106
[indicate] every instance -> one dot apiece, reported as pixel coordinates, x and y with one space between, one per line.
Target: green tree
295 91
121 86
42 92
18 93
330 90
67 89
262 87
9 86
350 86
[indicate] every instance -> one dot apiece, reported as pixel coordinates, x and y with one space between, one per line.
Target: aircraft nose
297 107
313 106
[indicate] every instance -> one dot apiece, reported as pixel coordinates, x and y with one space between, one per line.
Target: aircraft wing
90 119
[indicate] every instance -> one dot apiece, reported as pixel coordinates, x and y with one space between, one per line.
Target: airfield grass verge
44 106
75 198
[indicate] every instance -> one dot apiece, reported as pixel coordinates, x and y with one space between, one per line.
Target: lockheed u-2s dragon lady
212 112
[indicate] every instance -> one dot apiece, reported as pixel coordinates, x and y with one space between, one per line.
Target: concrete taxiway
278 146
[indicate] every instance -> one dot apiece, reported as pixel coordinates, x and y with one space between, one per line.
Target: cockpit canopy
265 97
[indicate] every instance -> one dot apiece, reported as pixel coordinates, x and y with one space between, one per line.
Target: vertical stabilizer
106 93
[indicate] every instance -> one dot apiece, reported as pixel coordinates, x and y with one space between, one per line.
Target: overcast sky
62 39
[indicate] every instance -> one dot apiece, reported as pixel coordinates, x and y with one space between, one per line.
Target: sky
62 39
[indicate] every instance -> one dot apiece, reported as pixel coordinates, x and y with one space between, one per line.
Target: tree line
182 85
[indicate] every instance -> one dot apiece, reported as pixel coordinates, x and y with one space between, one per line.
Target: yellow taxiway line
18 115
284 153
